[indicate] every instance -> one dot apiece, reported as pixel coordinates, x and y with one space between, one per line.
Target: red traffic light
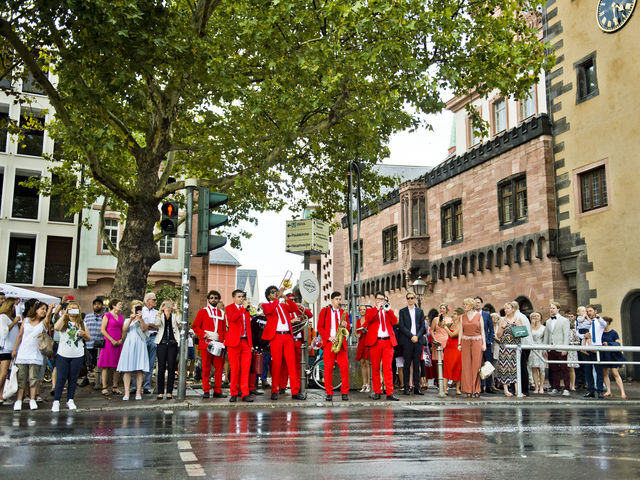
169 209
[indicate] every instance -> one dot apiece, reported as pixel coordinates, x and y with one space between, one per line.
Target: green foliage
166 292
267 101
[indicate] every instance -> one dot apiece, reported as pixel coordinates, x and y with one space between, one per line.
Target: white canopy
24 294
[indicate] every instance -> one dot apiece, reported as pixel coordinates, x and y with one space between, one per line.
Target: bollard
519 374
440 379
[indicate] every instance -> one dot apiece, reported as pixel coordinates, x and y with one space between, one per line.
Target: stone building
482 222
594 100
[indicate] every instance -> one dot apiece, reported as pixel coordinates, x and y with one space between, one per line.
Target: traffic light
208 220
169 220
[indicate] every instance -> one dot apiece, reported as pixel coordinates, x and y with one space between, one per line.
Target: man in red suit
279 335
381 339
298 339
239 344
330 320
209 325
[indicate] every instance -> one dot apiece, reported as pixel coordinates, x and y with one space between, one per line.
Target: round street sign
309 286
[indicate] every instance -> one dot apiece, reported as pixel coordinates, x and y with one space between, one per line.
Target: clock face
612 15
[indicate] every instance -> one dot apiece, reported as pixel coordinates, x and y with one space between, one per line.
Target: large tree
266 100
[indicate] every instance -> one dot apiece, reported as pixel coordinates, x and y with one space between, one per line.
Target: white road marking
188 457
194 470
184 445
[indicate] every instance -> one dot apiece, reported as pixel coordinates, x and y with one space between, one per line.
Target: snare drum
216 348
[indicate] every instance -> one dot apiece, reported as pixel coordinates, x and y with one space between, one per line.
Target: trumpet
386 307
286 280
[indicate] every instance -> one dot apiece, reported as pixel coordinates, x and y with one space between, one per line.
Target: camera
138 308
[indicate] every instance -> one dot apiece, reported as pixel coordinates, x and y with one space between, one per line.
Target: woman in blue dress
134 356
611 338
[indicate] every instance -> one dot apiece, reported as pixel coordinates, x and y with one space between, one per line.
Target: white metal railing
567 348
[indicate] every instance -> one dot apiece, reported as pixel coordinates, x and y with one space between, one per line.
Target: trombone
286 280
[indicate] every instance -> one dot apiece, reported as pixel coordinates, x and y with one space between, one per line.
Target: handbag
11 384
45 344
99 343
519 332
486 370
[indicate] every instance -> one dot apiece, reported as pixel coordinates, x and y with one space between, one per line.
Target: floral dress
573 355
507 371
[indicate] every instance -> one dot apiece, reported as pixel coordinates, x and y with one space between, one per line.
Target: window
4 120
111 229
390 244
57 264
165 246
499 116
29 85
593 189
357 258
405 218
1 187
58 211
587 78
20 262
418 217
512 200
451 214
528 104
25 200
32 122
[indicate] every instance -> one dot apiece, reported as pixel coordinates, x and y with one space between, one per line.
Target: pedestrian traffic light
207 220
169 220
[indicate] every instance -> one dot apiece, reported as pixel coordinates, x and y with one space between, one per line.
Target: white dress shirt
335 319
597 326
382 328
283 326
412 314
149 315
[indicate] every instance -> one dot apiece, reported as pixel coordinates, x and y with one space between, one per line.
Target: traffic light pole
190 184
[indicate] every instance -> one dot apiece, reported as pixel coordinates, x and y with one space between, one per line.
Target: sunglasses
411 298
214 298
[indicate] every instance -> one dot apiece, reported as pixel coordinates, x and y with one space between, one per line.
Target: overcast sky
265 250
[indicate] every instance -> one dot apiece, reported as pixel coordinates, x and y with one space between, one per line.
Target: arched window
464 266
528 251
472 264
449 269
393 282
490 260
499 257
481 262
508 259
519 251
399 281
441 275
526 306
388 285
434 273
541 247
456 267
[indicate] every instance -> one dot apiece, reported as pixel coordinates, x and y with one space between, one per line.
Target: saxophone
341 334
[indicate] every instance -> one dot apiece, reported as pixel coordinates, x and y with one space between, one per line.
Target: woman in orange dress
471 342
452 358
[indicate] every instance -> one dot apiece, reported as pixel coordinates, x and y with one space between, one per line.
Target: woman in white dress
134 356
9 329
536 359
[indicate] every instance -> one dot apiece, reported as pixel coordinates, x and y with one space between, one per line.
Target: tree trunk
137 252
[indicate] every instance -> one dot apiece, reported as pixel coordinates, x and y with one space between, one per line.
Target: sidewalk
90 400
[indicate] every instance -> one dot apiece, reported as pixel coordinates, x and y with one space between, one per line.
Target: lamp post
419 286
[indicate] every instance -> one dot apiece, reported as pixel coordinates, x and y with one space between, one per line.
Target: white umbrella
23 294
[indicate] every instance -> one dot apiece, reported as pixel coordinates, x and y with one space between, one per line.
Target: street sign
309 286
307 235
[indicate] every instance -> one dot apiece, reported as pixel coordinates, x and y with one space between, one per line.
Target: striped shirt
93 322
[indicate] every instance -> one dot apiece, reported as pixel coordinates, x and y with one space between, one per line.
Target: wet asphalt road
337 443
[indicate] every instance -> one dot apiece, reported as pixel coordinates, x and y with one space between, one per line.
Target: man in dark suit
487 355
412 336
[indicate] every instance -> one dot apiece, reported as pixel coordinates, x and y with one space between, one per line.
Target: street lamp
419 286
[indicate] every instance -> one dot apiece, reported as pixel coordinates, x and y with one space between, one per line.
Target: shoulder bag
45 344
519 332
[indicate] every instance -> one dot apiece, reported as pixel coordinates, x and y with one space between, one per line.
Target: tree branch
158 236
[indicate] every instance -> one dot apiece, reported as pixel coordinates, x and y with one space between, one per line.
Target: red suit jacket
204 322
270 311
324 326
236 314
372 323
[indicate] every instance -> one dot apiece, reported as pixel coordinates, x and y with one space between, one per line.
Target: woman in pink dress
440 336
452 361
111 330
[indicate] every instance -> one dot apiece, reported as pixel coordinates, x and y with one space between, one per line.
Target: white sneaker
33 405
56 406
72 405
138 397
566 393
17 405
554 392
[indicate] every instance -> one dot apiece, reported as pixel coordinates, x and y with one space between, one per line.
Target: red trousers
218 365
283 349
330 359
239 364
284 375
382 350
